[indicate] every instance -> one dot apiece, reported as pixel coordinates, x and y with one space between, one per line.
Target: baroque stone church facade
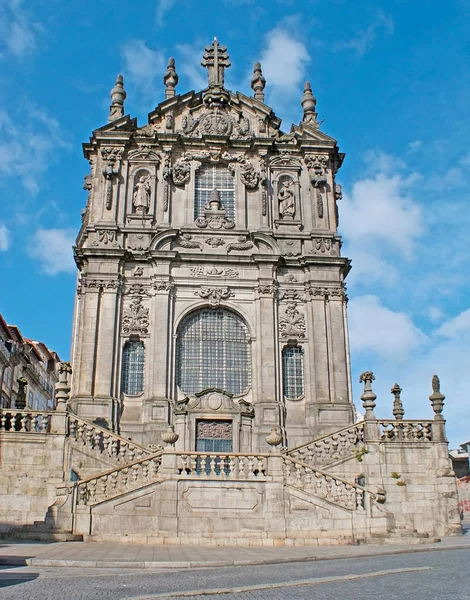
209 396
211 288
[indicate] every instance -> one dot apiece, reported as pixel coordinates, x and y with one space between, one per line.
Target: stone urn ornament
170 437
274 438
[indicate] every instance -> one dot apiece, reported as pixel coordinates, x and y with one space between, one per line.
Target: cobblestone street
414 576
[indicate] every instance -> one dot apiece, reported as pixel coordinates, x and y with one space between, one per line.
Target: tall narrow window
293 372
214 177
132 379
212 350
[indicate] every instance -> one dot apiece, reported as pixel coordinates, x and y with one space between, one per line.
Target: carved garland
112 164
293 323
318 168
214 295
135 318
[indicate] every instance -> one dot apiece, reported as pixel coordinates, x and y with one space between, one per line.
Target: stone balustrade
331 448
103 441
114 482
324 485
222 465
25 421
405 431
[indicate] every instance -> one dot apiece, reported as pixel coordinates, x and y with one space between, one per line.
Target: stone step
41 536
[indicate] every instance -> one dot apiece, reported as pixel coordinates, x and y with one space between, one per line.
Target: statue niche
141 193
286 197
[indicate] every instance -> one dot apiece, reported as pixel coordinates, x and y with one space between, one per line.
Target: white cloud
53 248
163 8
456 326
377 330
18 30
435 314
190 65
143 68
284 61
4 238
365 38
379 210
369 269
28 147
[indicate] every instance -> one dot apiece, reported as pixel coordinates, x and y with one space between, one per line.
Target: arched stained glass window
213 350
214 177
132 376
293 372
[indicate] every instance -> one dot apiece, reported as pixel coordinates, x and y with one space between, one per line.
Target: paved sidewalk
109 555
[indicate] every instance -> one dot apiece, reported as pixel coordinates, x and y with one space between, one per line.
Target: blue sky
392 85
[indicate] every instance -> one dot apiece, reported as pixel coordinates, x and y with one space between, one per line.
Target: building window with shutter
213 350
214 177
293 372
132 379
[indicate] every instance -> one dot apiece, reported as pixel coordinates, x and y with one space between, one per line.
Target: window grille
212 350
208 178
293 372
132 379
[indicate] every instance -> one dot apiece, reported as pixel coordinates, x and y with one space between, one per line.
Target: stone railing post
437 402
275 460
169 457
371 426
62 390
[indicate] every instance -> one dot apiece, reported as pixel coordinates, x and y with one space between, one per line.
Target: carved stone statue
286 198
141 197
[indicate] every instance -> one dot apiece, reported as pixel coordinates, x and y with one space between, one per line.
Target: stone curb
198 564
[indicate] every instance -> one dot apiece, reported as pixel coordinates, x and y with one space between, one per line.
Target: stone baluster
371 428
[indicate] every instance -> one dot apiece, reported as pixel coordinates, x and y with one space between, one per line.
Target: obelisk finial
118 95
309 103
170 79
258 82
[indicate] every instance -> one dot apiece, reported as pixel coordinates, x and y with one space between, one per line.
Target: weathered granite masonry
210 400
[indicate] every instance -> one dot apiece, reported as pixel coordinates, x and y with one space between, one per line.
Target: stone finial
368 397
118 95
62 387
20 401
437 399
309 103
398 411
214 202
170 79
258 82
170 437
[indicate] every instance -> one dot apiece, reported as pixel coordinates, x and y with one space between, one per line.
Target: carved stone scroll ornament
88 186
242 244
88 283
266 289
326 294
222 272
181 172
248 176
338 197
166 179
318 168
324 246
186 241
135 318
290 294
292 324
263 179
106 236
214 295
112 164
215 242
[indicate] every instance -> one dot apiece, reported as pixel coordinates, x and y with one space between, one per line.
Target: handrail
107 432
359 425
120 468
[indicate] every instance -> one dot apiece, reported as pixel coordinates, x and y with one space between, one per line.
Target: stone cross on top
216 60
